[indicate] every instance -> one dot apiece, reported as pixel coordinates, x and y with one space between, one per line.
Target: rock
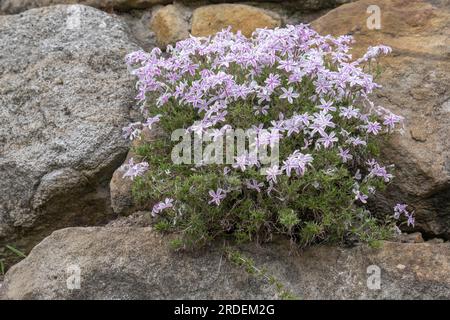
138 21
293 5
435 240
415 237
313 5
136 263
122 200
136 219
65 94
170 24
416 84
290 15
16 6
211 19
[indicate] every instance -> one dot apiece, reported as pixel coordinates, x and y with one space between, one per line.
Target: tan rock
211 19
169 25
416 84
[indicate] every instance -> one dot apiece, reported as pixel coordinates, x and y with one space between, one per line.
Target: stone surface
136 263
138 22
416 84
65 94
170 24
16 6
415 237
435 240
210 19
122 200
136 219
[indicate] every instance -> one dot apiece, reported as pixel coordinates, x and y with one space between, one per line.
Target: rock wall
65 94
16 6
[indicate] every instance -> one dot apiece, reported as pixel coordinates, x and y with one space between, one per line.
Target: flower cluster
133 170
400 209
133 130
303 88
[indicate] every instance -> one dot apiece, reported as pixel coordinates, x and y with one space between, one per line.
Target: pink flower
360 196
160 206
326 106
254 185
345 155
289 94
297 161
272 173
391 120
217 196
152 120
132 131
135 170
400 209
272 81
349 112
373 127
328 140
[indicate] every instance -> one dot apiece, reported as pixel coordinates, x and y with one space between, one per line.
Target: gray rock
136 263
65 94
139 22
16 6
415 237
435 240
136 219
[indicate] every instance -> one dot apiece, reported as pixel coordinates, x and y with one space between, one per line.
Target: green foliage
250 267
6 263
288 218
16 251
317 208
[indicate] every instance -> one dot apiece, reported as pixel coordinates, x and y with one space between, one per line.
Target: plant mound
295 90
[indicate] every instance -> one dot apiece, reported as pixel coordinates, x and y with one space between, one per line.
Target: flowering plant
307 94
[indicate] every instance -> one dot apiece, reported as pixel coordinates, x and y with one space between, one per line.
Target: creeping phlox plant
308 96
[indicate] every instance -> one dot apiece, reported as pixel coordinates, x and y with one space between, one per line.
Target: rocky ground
136 263
65 94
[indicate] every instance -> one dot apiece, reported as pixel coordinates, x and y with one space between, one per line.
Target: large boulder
16 6
416 84
136 263
65 94
208 20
